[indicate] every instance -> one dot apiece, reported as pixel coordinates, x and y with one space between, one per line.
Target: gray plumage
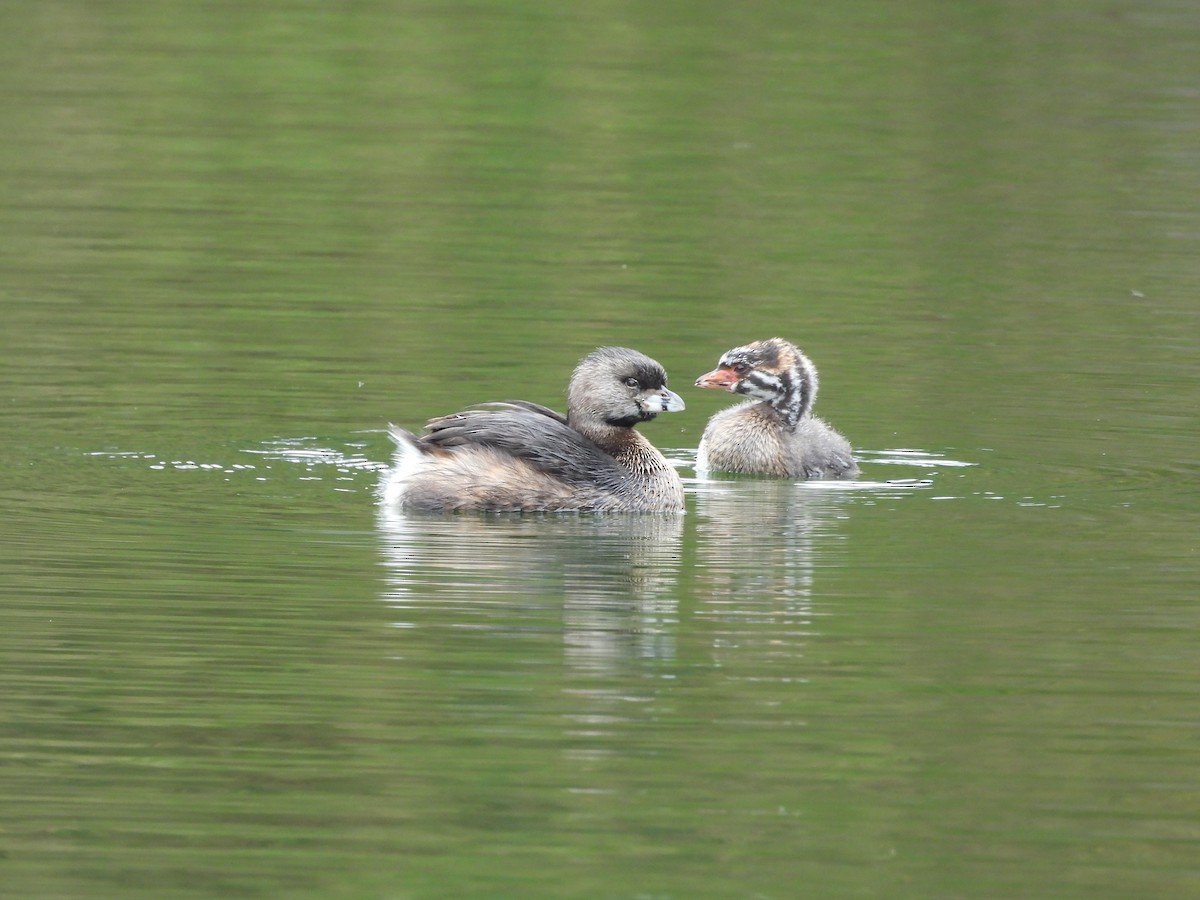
520 456
773 433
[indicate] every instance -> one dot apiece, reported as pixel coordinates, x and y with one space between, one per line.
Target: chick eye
740 367
632 382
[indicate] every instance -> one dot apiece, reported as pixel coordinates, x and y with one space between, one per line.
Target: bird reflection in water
759 546
610 582
614 576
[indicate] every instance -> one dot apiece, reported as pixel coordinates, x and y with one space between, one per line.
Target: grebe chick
520 456
774 432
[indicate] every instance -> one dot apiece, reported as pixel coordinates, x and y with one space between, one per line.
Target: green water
237 239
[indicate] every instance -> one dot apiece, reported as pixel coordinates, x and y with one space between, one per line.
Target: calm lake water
237 239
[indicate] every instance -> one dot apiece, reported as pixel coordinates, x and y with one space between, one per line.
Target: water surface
238 241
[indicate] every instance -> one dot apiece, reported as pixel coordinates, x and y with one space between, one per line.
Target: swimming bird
521 456
774 432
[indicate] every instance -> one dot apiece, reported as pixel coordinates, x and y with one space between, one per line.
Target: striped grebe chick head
772 370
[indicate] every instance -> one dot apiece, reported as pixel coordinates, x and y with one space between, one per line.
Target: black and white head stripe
777 372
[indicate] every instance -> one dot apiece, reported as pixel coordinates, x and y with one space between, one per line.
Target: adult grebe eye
632 382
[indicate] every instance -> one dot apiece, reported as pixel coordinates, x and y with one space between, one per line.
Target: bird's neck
626 446
798 390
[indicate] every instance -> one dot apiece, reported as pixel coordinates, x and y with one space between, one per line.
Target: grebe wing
530 432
